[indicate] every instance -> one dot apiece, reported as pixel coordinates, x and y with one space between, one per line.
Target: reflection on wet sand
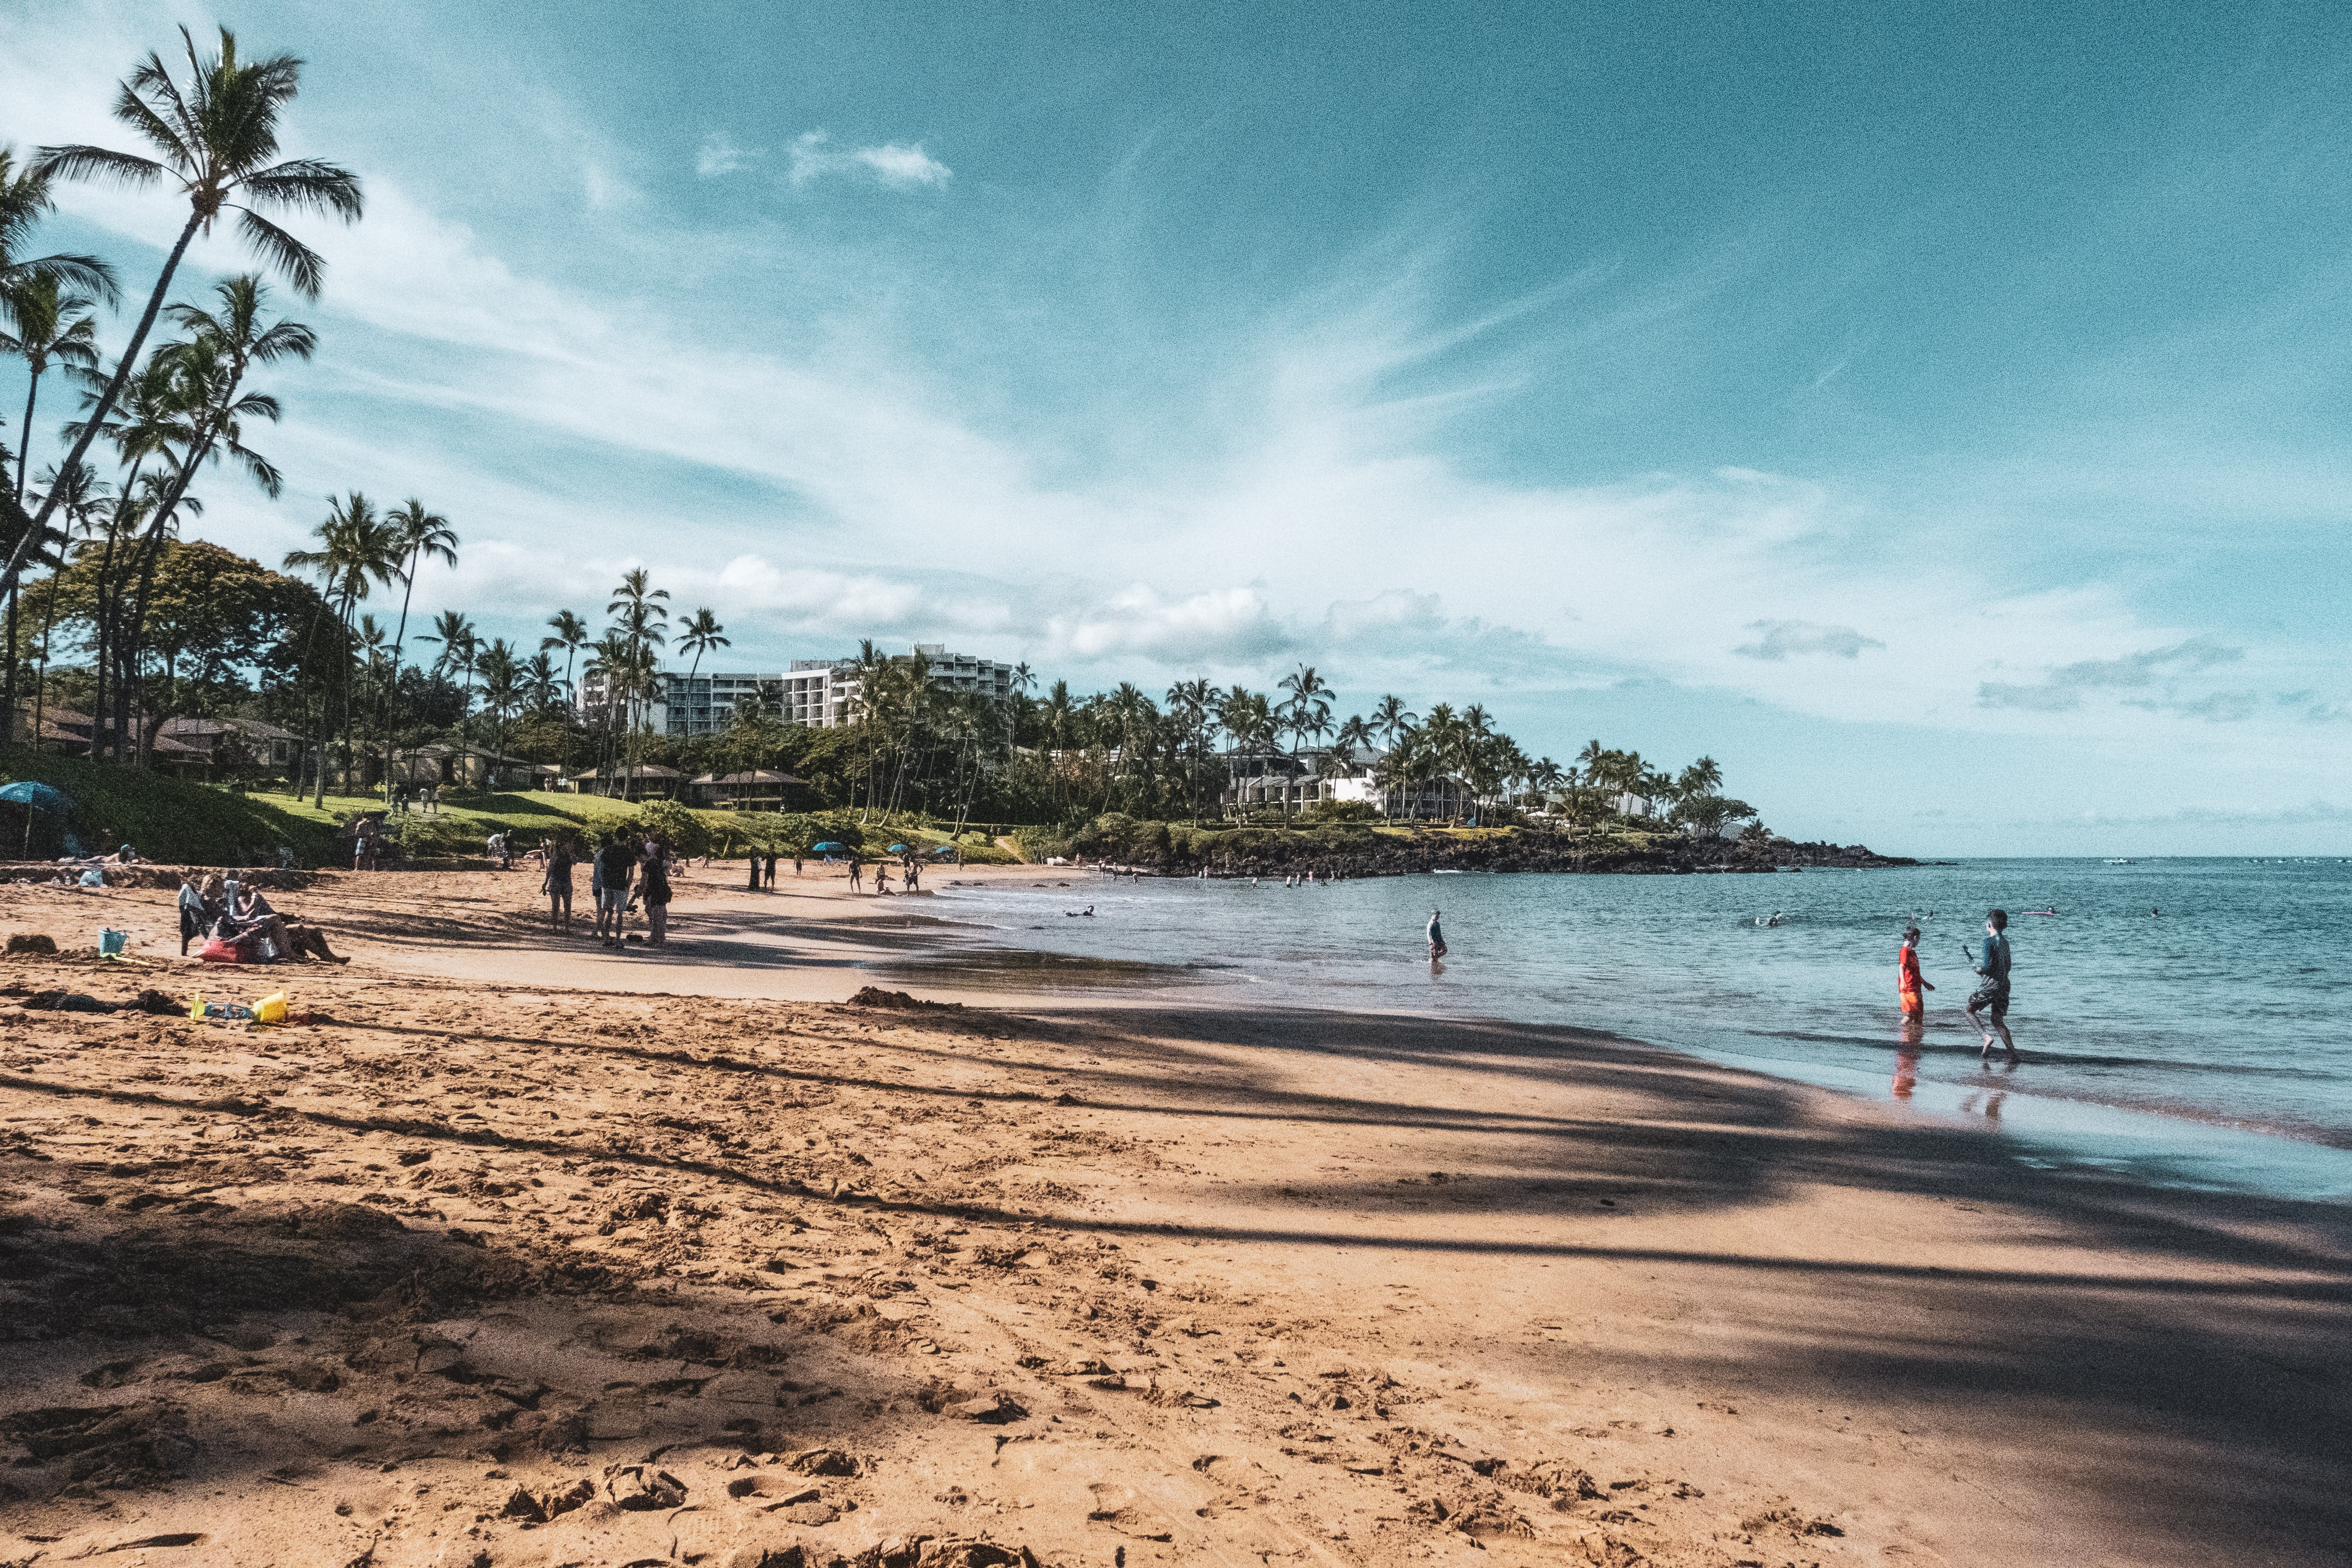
1906 1055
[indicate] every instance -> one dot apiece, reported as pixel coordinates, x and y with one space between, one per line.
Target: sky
1936 414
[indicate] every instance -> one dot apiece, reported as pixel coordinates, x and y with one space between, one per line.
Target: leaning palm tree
702 634
85 507
217 136
570 636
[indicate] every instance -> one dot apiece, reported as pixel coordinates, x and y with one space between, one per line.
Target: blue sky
1935 413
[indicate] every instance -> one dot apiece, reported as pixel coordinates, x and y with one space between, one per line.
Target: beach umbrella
898 849
828 844
37 797
945 849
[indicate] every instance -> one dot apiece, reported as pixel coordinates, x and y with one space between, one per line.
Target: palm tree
223 344
357 551
1306 711
459 648
421 536
570 636
612 665
643 622
502 691
1392 719
25 200
45 324
702 634
542 687
217 137
84 505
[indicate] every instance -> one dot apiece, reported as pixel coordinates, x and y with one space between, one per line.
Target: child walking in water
1908 982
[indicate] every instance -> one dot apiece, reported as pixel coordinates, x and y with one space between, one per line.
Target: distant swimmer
1773 920
2051 911
1908 982
1991 997
1436 938
2155 913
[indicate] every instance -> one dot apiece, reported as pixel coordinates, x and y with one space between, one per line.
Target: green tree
217 136
702 634
420 536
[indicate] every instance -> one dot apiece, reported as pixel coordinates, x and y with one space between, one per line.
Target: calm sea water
2210 1042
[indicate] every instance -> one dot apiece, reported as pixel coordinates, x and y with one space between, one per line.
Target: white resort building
819 693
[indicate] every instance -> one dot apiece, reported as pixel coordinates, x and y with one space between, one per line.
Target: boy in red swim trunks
1908 982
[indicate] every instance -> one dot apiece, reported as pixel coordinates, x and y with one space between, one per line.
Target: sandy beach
520 1253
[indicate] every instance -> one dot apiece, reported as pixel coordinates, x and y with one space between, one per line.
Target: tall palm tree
85 506
570 636
217 136
644 616
421 536
44 324
1392 719
502 692
1307 708
358 550
542 689
702 634
223 344
459 648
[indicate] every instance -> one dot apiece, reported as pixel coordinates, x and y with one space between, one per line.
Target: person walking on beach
1992 998
1436 938
856 875
1908 982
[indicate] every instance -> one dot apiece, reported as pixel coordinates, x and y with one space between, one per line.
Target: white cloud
1222 628
719 155
1783 638
893 164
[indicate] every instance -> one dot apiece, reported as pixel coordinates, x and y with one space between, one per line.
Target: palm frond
79 161
304 267
307 184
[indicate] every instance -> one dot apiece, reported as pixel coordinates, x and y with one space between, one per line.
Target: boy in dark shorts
1991 997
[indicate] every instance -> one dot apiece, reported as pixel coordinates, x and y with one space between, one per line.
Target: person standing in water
1436 938
1992 998
1908 982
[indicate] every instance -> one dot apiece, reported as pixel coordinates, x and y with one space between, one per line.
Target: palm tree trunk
24 462
106 399
384 703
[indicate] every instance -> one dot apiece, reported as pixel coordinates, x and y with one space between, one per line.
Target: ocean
2179 1020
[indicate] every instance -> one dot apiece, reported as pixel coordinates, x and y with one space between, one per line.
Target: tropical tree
1307 711
570 636
643 620
357 552
85 507
1390 718
502 692
420 536
44 324
25 200
702 634
217 136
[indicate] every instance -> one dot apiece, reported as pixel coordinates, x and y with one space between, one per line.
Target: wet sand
513 1261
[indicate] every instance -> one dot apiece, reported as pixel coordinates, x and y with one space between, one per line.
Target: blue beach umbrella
898 849
39 795
828 844
945 849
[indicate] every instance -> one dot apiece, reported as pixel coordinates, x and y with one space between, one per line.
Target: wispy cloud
1784 639
718 155
2063 690
897 165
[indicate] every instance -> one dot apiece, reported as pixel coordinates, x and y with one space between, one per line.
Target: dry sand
509 1262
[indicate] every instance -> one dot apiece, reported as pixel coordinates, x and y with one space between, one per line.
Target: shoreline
1084 1276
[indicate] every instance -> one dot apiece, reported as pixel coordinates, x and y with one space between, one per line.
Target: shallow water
2227 1014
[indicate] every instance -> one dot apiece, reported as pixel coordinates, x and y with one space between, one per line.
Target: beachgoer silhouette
1436 938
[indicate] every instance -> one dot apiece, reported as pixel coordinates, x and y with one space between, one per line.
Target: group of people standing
626 869
911 876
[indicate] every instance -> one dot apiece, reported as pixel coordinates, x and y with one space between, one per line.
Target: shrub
684 832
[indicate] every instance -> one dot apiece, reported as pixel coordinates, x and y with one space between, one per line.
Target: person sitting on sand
882 879
1908 982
